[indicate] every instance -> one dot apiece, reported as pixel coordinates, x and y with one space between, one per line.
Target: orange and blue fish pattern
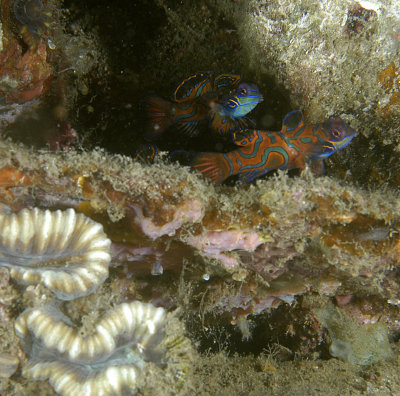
223 101
295 146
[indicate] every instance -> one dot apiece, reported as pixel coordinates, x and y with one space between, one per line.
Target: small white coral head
107 362
133 323
68 252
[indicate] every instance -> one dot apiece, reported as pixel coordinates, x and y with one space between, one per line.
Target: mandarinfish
223 101
295 146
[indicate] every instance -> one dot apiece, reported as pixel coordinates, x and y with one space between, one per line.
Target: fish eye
243 91
231 104
337 133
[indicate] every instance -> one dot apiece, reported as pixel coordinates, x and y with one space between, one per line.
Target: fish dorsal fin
293 121
226 80
244 137
194 86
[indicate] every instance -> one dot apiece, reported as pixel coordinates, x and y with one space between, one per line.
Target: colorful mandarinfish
262 151
224 101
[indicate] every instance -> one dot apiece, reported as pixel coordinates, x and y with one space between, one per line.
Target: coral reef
66 251
215 244
24 74
33 17
217 374
308 263
52 331
306 234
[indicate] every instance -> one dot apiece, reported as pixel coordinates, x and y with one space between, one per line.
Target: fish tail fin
158 112
213 166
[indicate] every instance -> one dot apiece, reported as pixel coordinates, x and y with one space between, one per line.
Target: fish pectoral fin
241 123
222 124
249 175
146 153
317 167
293 121
245 122
189 128
158 114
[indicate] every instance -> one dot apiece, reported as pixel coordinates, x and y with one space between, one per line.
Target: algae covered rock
352 342
328 54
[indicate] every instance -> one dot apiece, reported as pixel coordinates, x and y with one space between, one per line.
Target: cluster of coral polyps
270 241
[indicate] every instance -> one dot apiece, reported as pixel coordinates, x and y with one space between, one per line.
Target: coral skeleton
68 252
107 362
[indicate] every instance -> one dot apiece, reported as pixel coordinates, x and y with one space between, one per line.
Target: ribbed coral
108 362
68 252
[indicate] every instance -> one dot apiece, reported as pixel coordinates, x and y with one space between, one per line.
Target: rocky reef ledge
321 253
